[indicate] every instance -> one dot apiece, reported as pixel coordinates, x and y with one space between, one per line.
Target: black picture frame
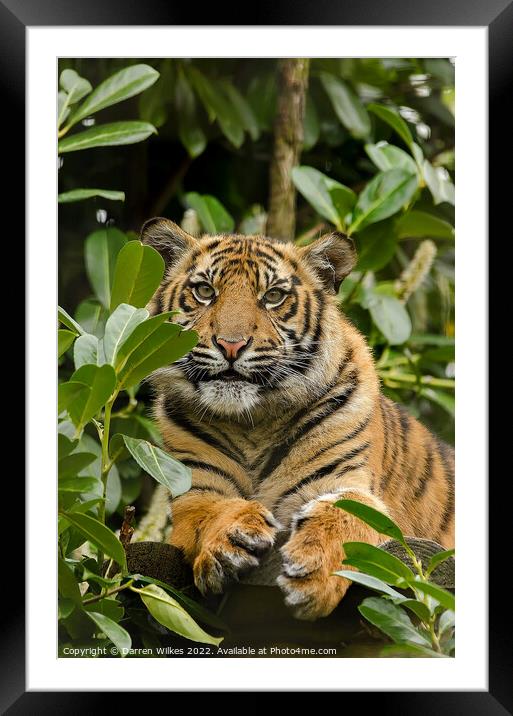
497 16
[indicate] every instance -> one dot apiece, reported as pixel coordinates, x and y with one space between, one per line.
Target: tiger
278 412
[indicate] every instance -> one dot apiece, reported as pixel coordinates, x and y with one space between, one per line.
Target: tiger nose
231 347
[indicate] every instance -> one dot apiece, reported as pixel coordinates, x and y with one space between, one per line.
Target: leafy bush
431 633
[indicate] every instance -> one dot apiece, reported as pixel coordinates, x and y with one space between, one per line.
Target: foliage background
368 122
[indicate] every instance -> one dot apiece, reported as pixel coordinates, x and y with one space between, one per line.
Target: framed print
265 455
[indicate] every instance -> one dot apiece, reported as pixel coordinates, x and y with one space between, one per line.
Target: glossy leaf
377 563
171 614
212 214
392 620
85 350
65 340
328 197
75 86
100 535
116 633
387 156
100 381
347 105
107 135
376 245
64 317
71 391
383 196
245 113
141 334
68 586
160 465
79 485
119 326
162 349
71 465
101 250
366 580
437 559
394 120
375 519
138 273
445 598
311 125
442 398
81 194
92 316
439 183
126 83
420 224
190 131
391 317
217 105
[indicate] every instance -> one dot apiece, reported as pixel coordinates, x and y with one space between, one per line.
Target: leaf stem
108 593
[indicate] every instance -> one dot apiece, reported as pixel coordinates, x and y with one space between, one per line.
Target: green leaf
64 317
190 132
113 491
160 465
171 614
118 636
243 109
138 273
377 520
140 335
75 87
418 608
69 392
101 250
368 581
328 197
347 105
218 106
65 445
92 316
376 245
391 317
446 622
384 195
437 559
377 563
107 135
120 86
421 224
85 350
193 608
394 120
162 348
439 183
410 650
441 398
68 586
387 156
445 598
100 535
81 194
81 485
211 213
311 125
392 620
65 339
101 381
71 465
110 608
119 326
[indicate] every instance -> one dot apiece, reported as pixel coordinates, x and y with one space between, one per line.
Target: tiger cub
278 413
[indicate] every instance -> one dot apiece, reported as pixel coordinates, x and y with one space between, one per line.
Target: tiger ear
167 238
333 257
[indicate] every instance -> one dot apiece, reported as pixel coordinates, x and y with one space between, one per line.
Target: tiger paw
233 544
310 556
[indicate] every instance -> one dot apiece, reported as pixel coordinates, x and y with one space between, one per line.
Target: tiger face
258 306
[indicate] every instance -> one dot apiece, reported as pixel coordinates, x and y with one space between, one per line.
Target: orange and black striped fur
278 412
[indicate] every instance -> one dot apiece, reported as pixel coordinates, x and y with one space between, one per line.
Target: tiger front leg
222 538
314 552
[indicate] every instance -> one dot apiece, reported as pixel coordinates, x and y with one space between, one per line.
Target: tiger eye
204 290
274 295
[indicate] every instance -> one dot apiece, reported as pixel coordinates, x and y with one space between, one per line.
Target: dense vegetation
193 140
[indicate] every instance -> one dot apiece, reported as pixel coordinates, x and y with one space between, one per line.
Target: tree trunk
288 141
